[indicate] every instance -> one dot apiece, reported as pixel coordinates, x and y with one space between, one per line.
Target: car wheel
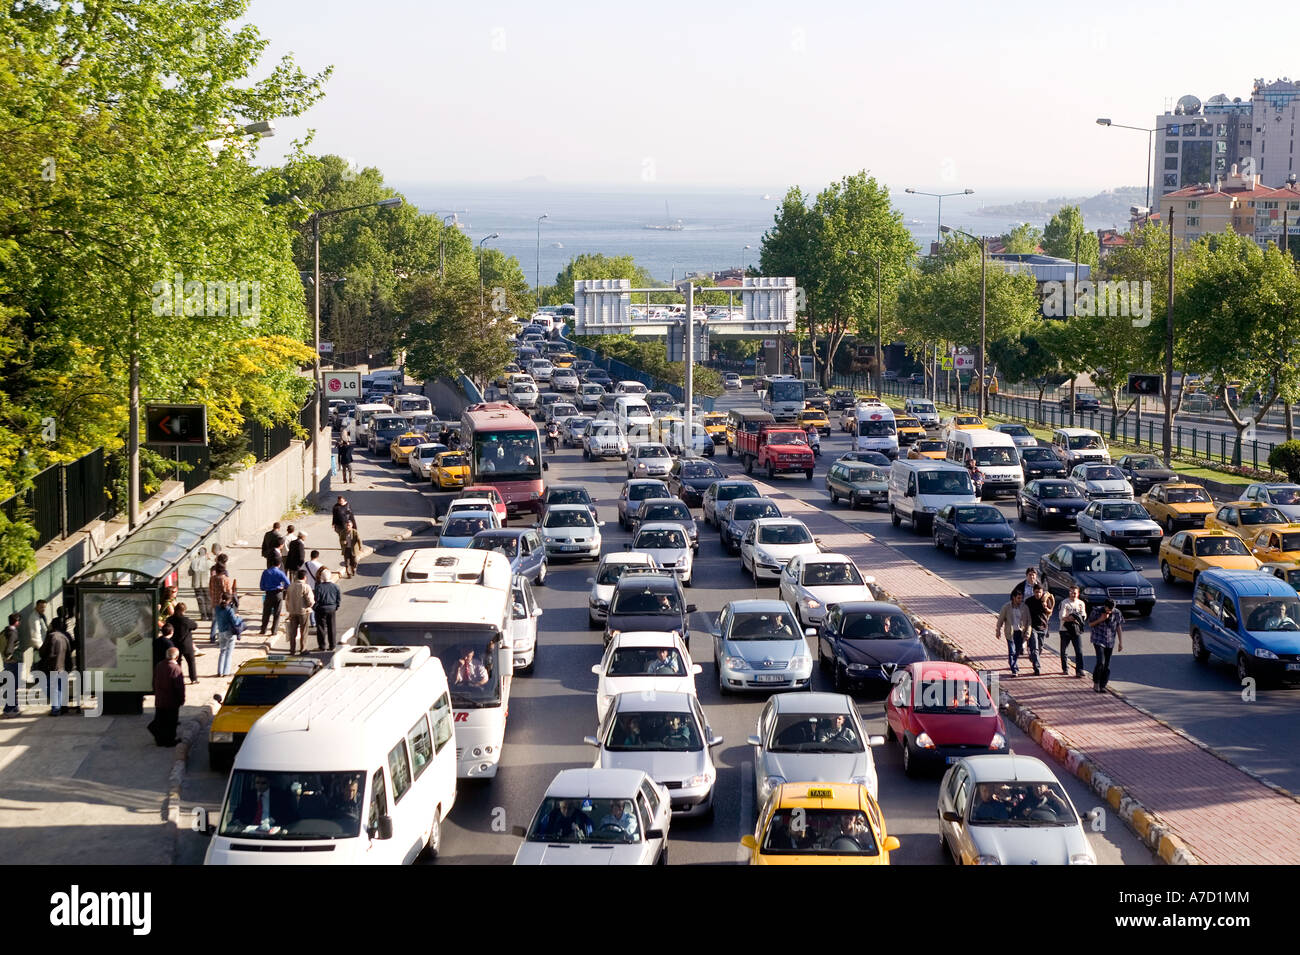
729 452
823 664
808 475
890 735
541 575
854 503
838 681
686 582
957 549
909 761
1243 668
893 516
1199 653
938 541
1083 536
835 498
749 464
1169 525
771 471
722 684
1020 512
1011 554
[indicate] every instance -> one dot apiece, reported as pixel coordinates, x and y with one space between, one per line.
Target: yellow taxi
563 360
962 422
1288 571
1177 504
1277 546
990 384
715 426
663 428
401 448
1247 519
820 824
928 448
450 470
1185 554
257 685
909 429
815 418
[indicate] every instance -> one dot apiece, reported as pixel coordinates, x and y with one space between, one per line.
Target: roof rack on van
363 656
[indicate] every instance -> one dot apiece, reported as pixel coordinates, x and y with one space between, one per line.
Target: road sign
1143 384
769 342
176 425
945 364
342 384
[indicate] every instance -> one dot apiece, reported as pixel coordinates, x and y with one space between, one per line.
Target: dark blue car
971 529
863 642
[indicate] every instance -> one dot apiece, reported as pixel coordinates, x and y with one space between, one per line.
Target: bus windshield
786 391
507 455
468 655
298 806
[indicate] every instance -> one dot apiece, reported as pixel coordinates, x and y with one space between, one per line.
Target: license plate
768 678
992 545
1125 602
568 547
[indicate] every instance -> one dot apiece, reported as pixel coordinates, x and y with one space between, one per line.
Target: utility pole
688 379
133 430
1168 436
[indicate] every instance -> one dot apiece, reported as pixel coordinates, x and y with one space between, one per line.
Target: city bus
506 452
783 397
459 604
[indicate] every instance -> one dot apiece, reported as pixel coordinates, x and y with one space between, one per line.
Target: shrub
1286 457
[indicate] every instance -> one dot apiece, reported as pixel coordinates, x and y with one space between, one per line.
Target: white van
923 410
634 417
630 387
356 766
359 421
411 404
920 487
995 455
875 429
388 376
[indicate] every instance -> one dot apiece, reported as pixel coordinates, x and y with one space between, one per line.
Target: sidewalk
1223 815
82 791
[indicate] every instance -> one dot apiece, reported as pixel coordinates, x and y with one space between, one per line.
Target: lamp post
538 279
940 196
1193 121
442 246
984 258
494 235
742 261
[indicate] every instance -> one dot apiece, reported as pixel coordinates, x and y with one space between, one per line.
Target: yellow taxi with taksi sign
820 824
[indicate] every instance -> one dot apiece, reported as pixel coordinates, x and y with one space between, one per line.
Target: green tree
1030 356
594 265
1024 239
1065 232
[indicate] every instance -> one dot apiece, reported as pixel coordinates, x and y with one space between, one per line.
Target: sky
937 96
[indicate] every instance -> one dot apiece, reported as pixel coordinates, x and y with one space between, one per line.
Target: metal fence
62 499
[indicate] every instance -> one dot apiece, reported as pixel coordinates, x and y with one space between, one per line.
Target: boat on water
672 225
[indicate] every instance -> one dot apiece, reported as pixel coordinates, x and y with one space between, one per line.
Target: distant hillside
1102 211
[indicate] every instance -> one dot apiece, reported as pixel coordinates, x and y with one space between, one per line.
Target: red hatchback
488 491
941 712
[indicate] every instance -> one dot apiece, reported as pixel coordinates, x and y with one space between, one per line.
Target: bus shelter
118 597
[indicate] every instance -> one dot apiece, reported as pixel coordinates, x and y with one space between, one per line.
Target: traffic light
1144 384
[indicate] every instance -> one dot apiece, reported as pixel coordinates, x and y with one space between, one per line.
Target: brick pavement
1222 814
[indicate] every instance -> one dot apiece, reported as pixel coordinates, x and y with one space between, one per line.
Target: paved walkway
1221 813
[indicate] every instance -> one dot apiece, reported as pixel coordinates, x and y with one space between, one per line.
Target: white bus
459 604
783 397
356 766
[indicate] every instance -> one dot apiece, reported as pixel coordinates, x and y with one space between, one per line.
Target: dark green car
857 482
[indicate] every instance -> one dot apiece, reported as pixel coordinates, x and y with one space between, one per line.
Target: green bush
16 554
1286 457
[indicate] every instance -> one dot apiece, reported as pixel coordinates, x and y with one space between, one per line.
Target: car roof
278 663
1005 768
831 703
732 482
653 639
569 507
633 482
626 557
823 795
868 606
656 581
831 559
1249 583
650 501
490 515
595 783
566 487
775 521
1077 432
759 606
504 532
657 702
943 669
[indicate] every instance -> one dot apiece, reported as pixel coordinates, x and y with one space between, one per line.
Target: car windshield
945 482
1020 804
876 626
763 625
875 429
751 511
815 733
1226 546
646 661
730 492
1103 474
1055 490
652 451
1186 495
1124 512
660 539
1017 430
504 545
640 492
580 819
787 437
1085 442
666 512
297 806
610 573
465 526
647 602
819 832
978 515
262 689
567 518
865 473
453 460
578 424
996 457
930 446
568 495
1284 495
787 391
1038 454
937 695
1101 561
1144 463
784 534
1261 515
1271 614
922 407
822 574
657 730
966 419
878 459
697 469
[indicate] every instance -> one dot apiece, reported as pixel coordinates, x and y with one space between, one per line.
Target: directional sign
342 384
176 425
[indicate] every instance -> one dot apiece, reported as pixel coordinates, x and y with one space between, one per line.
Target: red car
940 712
488 491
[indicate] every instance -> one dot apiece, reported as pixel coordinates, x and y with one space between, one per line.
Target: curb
190 732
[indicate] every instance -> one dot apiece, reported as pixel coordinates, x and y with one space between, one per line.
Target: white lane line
745 825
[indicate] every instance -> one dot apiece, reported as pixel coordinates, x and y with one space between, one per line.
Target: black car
649 602
1041 463
1144 471
814 397
973 529
916 378
598 376
1081 403
842 399
690 478
1050 501
867 457
734 518
1100 572
863 642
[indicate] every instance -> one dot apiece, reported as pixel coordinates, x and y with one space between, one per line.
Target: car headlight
860 780
799 661
811 604
1095 591
1082 858
551 539
1146 591
701 779
998 741
1051 510
927 509
600 604
987 860
221 738
1265 654
735 663
924 741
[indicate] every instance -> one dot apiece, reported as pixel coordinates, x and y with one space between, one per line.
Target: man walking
200 575
1107 637
1026 586
54 663
11 650
274 583
342 516
345 458
272 541
37 627
183 638
1074 614
1013 621
298 602
328 597
1040 605
296 555
168 698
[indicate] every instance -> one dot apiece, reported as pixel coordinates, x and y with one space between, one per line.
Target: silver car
1124 524
812 737
757 645
603 439
1101 481
589 817
1285 497
1010 810
672 509
1019 434
649 459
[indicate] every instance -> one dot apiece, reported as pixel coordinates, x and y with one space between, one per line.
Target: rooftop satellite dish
1189 104
1218 99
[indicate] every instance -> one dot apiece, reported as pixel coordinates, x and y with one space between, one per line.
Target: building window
1171 146
1221 147
1171 162
1193 222
1236 223
1293 207
1220 164
1272 204
1207 129
1221 129
1171 129
1192 205
1171 180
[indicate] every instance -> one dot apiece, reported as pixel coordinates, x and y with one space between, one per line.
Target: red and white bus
505 452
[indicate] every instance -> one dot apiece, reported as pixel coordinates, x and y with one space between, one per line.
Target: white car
541 370
1019 434
1124 524
603 439
771 543
630 388
815 738
1285 497
523 396
1010 810
730 380
666 736
810 583
470 504
644 661
1101 481
612 567
599 817
569 530
668 546
421 459
564 379
649 459
523 628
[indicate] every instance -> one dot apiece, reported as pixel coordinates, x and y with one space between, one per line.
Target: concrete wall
448 400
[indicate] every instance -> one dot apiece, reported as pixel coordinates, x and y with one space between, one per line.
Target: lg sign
343 384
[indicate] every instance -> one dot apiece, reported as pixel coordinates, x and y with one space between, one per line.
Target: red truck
775 448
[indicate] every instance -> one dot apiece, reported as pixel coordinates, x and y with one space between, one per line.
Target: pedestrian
351 548
274 583
1013 621
1026 586
328 598
342 515
200 573
345 458
37 627
298 601
272 541
1107 637
228 626
221 584
168 604
183 638
168 698
1074 614
162 643
54 663
11 651
1040 604
296 555
313 566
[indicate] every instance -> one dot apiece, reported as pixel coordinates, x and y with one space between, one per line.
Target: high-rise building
1275 107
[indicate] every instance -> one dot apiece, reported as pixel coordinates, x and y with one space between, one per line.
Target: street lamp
494 235
984 258
742 262
1193 121
940 196
538 280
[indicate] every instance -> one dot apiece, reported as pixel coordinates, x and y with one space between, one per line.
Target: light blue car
458 529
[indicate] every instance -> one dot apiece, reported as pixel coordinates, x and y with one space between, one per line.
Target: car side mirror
690 608
537 611
546 466
654 834
217 697
890 844
951 816
348 635
875 741
749 842
810 632
591 741
519 831
600 523
715 740
596 669
384 830
753 741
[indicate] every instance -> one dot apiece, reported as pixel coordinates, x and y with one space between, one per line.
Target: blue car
458 529
522 545
1249 618
862 643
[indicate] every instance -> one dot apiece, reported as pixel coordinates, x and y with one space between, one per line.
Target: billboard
342 384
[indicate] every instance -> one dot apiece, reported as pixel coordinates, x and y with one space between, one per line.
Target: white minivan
923 410
356 766
875 429
920 487
634 417
995 455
